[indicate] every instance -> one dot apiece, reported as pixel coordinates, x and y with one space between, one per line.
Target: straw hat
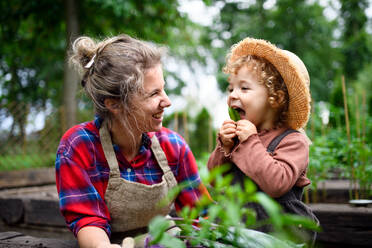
292 70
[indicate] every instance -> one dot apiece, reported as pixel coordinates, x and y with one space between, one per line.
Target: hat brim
292 70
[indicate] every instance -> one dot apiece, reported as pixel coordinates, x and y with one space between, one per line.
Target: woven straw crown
292 70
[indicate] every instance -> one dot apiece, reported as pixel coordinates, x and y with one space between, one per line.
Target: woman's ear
113 105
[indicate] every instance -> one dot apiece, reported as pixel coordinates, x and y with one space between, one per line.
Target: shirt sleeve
189 177
81 204
274 173
218 157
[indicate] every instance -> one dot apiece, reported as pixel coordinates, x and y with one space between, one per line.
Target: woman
112 172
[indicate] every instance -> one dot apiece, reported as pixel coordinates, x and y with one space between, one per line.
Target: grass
26 161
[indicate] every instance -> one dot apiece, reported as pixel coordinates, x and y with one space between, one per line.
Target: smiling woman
112 172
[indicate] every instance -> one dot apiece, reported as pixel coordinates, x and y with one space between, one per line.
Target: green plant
337 153
234 115
229 222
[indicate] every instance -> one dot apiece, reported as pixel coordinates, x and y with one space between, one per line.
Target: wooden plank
31 205
344 224
37 192
11 210
30 177
331 191
9 235
43 212
21 241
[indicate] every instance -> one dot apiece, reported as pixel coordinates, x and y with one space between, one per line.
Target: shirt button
129 170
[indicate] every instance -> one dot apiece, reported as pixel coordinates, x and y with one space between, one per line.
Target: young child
269 87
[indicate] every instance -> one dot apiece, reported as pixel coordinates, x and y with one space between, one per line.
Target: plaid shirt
82 173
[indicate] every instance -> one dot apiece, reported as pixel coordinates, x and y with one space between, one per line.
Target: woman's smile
158 116
155 99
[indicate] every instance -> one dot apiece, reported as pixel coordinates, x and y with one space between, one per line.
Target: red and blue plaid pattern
82 173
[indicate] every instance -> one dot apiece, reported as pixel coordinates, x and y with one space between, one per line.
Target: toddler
269 87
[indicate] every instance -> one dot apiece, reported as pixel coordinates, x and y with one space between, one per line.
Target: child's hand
244 129
227 133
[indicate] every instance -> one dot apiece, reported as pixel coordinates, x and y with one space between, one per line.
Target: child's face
250 97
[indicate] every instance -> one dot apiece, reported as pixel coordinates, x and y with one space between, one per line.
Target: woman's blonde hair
114 68
268 75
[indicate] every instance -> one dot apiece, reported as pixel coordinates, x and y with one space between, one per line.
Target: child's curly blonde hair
268 75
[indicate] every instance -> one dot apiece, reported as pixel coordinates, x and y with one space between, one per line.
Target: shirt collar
98 121
145 142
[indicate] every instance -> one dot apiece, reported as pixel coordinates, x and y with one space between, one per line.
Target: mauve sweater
275 173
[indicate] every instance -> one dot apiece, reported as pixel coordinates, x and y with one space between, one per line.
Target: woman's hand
94 237
244 129
227 134
108 245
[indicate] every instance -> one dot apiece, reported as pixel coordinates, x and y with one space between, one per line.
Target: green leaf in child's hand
234 115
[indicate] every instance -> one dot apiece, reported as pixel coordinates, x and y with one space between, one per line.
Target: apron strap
163 162
108 150
159 154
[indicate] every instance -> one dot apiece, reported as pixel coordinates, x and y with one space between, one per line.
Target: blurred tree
36 33
200 139
355 39
355 48
31 57
70 77
296 25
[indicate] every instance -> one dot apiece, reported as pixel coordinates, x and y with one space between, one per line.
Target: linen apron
132 205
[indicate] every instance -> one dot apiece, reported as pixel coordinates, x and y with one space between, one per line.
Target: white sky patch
198 12
369 16
202 87
269 4
331 8
36 118
324 112
201 90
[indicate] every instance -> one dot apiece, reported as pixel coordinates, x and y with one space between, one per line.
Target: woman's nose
165 102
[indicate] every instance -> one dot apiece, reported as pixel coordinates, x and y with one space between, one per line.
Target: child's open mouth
240 111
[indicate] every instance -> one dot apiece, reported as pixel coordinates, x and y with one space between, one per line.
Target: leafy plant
229 223
234 115
337 154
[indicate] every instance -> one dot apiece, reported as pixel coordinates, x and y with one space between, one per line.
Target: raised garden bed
34 211
29 216
343 224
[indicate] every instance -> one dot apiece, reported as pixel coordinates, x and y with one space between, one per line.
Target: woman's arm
80 183
94 237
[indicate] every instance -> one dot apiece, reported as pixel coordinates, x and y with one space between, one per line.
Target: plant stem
352 181
357 116
185 127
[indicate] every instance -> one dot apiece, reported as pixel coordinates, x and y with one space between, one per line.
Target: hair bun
83 49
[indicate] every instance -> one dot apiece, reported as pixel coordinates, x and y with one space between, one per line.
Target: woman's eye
245 88
153 93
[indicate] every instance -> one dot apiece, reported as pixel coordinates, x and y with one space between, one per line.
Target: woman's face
152 102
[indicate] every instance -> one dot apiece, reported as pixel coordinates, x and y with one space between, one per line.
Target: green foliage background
34 40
